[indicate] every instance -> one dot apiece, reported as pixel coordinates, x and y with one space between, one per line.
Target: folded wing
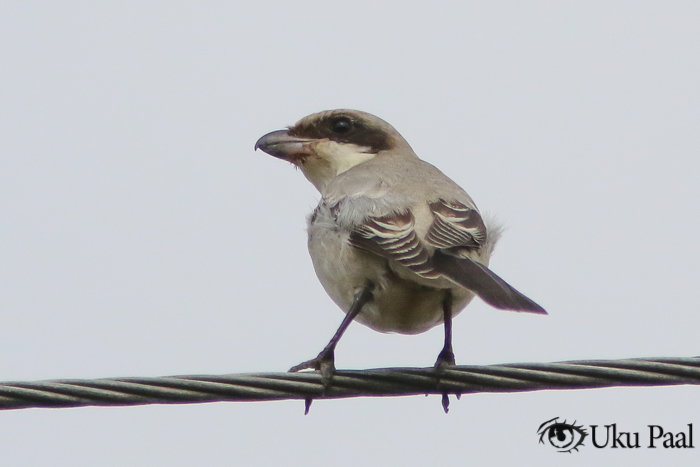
456 229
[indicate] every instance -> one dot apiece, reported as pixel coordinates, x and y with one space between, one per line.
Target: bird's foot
324 363
445 359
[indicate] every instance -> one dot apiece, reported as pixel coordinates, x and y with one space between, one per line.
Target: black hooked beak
282 145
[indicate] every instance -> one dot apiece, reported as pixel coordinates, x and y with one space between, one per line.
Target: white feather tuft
495 229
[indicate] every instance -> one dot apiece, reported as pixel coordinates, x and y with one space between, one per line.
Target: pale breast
399 305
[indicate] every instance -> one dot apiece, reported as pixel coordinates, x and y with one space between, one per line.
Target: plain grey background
140 234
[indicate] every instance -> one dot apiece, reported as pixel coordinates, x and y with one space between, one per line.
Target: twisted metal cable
351 383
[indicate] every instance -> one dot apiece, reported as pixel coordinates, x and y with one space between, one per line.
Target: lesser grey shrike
397 245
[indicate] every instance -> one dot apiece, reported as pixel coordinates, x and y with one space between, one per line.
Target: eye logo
565 437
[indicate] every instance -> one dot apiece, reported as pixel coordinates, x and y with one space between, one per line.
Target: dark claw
307 365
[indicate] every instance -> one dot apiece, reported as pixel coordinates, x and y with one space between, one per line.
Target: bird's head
326 144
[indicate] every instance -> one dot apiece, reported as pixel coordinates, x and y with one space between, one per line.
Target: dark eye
341 125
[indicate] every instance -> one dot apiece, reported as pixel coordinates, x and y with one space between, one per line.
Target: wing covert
455 225
394 237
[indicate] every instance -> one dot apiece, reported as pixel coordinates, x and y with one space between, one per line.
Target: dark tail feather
483 282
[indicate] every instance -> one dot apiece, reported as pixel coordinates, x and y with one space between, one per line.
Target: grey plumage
390 223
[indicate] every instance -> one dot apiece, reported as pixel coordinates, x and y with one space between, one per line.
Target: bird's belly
398 304
402 307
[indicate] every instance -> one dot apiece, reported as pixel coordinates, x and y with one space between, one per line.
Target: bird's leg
446 356
324 362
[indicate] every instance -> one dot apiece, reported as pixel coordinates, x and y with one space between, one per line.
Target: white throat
331 159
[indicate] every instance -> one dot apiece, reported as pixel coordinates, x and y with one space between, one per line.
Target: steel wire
464 379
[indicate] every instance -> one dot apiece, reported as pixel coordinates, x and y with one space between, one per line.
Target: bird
396 244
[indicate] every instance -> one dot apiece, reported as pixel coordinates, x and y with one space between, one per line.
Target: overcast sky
141 235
